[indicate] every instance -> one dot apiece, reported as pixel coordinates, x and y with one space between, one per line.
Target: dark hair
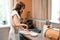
19 6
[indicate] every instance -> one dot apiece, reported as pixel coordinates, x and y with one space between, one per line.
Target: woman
16 25
16 14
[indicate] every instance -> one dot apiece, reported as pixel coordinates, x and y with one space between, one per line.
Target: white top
12 31
15 12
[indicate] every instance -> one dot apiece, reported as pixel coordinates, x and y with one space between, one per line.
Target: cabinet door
4 33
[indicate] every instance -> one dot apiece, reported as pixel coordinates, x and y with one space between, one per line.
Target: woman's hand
25 26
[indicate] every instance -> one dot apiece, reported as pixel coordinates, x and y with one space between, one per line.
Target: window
55 11
5 12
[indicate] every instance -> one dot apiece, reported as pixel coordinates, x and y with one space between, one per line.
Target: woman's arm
17 23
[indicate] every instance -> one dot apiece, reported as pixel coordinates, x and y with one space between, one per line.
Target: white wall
6 10
55 10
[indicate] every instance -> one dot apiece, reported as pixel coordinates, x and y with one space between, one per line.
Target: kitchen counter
2 26
39 37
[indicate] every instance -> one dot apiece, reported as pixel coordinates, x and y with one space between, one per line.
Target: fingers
26 26
26 30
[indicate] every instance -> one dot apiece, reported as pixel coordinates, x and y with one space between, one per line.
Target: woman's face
21 10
